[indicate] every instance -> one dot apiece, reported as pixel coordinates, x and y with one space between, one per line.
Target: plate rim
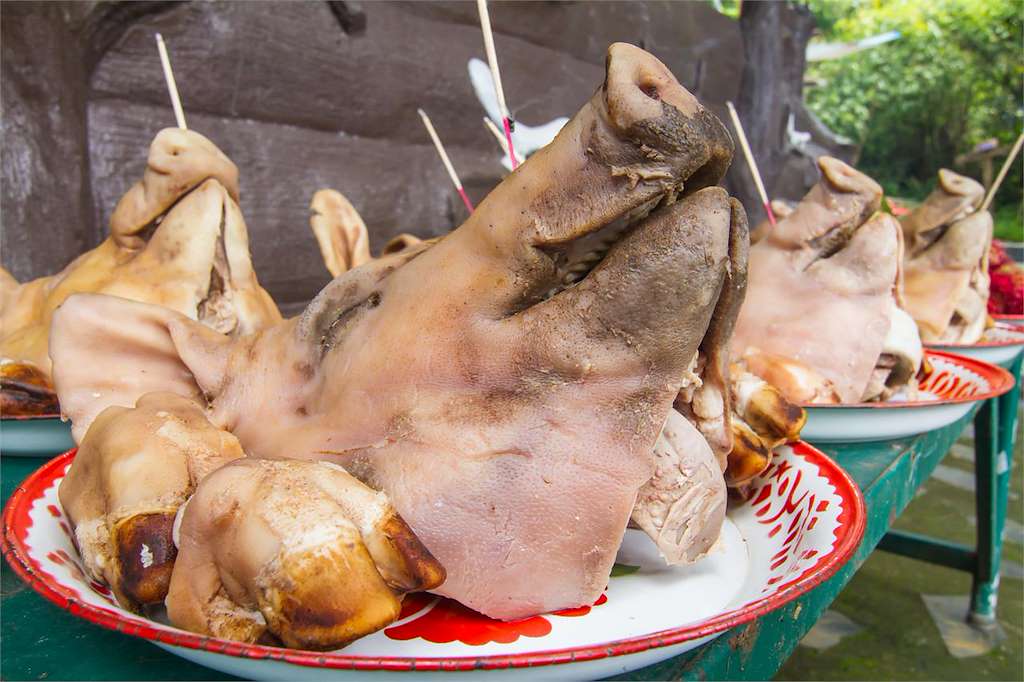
29 417
937 345
13 549
999 380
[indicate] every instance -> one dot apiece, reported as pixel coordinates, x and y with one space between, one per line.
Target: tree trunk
775 37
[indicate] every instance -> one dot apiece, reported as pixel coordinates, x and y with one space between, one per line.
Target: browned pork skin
25 390
285 551
177 239
946 265
134 469
292 551
507 401
763 419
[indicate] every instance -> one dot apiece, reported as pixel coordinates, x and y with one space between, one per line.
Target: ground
881 627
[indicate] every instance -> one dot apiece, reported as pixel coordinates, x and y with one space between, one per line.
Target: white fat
146 556
744 386
690 376
179 435
315 538
176 527
691 380
903 339
93 539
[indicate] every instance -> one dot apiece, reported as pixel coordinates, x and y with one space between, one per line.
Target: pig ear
340 232
111 351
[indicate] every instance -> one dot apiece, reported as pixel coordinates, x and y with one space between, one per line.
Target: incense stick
172 87
445 160
492 61
1002 173
751 163
489 124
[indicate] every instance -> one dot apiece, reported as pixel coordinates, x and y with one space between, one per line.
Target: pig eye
651 91
339 325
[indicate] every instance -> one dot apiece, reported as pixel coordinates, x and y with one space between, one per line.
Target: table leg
991 515
1008 404
995 432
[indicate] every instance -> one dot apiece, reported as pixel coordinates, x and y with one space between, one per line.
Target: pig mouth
576 259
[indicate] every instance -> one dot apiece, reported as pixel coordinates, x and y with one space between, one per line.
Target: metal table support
995 426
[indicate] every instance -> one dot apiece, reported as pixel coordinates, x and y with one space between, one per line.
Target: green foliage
1009 222
952 80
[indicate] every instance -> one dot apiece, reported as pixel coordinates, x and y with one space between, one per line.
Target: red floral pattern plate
802 522
944 396
1013 320
1000 345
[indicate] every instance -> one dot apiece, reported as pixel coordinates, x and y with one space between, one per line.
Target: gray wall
301 96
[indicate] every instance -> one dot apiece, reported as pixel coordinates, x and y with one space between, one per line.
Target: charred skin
145 553
25 390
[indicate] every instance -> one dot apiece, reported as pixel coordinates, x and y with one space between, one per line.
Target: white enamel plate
1000 346
944 396
803 520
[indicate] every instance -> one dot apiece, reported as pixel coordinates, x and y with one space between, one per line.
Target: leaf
619 570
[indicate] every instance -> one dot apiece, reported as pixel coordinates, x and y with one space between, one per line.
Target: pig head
177 239
947 281
822 319
504 397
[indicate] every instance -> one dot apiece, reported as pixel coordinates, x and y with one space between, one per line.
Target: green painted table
41 641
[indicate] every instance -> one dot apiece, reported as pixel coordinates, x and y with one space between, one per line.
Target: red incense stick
492 61
445 160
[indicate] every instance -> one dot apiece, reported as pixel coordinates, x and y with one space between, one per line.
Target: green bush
952 80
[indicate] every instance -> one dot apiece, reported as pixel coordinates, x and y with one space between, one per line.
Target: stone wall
303 95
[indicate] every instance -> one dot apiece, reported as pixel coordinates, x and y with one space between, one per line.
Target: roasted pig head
177 239
504 397
822 319
946 281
